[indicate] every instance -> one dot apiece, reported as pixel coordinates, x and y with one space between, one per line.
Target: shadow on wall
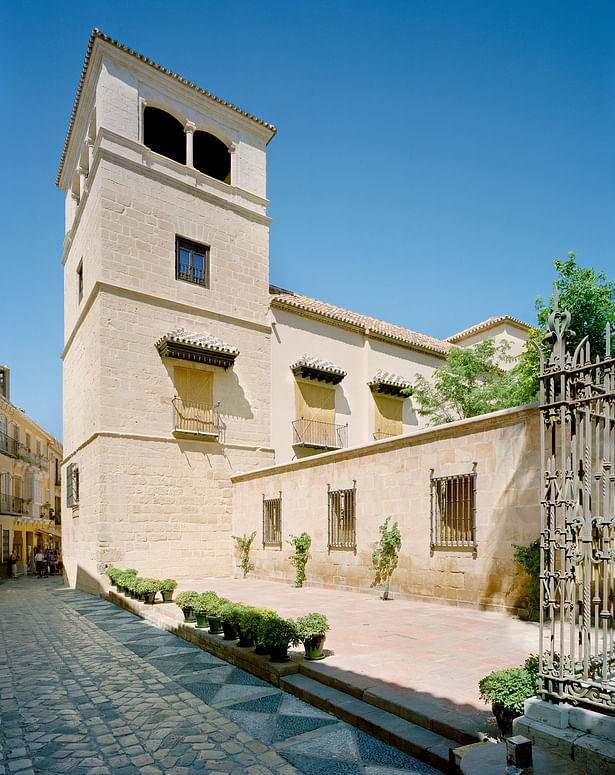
85 582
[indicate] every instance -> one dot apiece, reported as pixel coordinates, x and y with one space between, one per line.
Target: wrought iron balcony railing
12 447
319 435
11 504
379 435
194 417
8 445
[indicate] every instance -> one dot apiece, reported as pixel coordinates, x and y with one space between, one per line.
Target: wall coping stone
411 439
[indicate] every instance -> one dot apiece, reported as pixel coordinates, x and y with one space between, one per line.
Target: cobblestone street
86 687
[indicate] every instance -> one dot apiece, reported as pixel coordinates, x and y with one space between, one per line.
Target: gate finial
558 323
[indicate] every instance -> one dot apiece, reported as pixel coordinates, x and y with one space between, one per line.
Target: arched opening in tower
164 134
211 156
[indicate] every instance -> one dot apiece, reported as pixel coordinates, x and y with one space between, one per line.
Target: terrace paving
86 687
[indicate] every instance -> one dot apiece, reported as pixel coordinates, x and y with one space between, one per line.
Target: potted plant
507 690
245 633
146 588
215 620
250 623
130 583
202 606
113 574
229 616
187 601
276 634
167 587
312 631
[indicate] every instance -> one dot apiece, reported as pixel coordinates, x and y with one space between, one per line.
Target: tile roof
284 299
319 365
204 340
489 323
387 378
96 33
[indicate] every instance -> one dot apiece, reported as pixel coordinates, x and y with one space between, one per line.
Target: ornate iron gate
577 541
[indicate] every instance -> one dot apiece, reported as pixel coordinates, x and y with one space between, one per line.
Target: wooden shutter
388 415
194 385
314 402
69 485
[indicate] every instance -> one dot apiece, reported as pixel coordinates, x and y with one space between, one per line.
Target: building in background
30 476
184 367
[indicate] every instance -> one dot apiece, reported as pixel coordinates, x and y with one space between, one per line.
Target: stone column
90 155
83 180
189 130
234 164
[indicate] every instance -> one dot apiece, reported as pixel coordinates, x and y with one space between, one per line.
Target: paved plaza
86 687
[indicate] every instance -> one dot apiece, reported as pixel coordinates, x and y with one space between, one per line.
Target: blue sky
432 158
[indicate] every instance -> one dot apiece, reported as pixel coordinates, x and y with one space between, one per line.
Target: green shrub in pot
507 690
167 587
276 634
312 630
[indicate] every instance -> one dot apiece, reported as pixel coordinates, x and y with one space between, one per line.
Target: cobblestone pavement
86 687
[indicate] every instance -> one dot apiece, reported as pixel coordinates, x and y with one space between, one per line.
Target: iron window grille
453 510
342 517
272 521
72 485
191 262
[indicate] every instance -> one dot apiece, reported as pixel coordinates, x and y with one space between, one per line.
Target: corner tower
166 340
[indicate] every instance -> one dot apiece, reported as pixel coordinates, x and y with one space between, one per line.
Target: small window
453 510
80 281
342 518
72 485
272 521
191 262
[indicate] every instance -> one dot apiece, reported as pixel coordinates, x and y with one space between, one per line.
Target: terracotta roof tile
317 363
204 340
283 298
489 323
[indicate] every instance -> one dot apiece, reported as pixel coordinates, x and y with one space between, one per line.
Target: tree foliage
588 295
473 381
299 559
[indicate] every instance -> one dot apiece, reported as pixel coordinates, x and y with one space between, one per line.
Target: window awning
198 348
388 384
313 368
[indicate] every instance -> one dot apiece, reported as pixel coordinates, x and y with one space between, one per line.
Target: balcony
11 504
192 418
319 435
11 447
379 435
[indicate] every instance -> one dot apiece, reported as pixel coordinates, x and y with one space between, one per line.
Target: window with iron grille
453 510
342 518
191 262
72 485
272 521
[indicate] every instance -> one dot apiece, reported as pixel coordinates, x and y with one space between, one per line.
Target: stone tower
166 336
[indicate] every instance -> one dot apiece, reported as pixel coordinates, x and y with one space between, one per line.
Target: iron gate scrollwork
577 540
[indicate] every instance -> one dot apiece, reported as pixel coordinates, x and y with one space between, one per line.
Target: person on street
13 565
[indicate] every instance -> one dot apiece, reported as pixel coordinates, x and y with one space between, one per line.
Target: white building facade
182 366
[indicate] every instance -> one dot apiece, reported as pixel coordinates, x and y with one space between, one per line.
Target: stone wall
393 479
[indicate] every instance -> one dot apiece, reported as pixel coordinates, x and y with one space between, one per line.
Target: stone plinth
585 736
491 760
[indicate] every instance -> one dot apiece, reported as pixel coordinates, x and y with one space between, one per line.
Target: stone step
422 743
438 715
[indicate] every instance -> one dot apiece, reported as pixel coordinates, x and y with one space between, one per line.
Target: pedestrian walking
40 560
13 565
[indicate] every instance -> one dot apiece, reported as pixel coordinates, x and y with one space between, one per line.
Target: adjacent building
183 367
30 492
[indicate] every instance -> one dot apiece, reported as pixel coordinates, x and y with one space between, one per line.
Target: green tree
473 381
588 295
